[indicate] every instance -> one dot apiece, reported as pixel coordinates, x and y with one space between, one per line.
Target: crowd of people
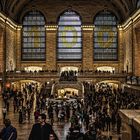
97 111
68 75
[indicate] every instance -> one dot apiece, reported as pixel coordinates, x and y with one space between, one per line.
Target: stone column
127 46
2 62
87 37
1 47
4 57
137 52
120 50
18 48
51 40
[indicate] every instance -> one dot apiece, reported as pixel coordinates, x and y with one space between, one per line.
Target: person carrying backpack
8 132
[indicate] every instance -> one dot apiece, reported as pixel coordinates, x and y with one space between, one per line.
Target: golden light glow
136 15
120 27
51 27
2 16
88 27
19 27
2 19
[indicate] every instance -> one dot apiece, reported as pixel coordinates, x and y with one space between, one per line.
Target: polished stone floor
24 129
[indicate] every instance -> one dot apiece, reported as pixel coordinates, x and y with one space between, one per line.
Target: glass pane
33 36
69 37
105 37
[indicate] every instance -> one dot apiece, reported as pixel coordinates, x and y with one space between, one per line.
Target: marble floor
24 129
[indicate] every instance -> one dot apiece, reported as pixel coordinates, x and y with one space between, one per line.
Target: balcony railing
52 73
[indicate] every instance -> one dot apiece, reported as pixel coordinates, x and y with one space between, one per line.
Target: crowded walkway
24 108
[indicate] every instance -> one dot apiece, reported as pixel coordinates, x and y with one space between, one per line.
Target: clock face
69 36
105 37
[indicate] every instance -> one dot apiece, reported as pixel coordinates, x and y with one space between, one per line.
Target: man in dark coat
119 123
41 130
8 132
91 134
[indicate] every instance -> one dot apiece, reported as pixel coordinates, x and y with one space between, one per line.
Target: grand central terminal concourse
70 69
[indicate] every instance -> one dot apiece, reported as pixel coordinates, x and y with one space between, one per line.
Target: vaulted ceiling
123 8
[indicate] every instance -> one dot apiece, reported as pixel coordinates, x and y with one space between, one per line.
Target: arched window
33 47
138 4
69 36
105 37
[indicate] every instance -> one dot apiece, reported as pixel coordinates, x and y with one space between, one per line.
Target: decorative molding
132 19
88 27
51 27
9 22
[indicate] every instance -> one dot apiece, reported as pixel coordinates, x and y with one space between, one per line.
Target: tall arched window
105 37
69 36
33 47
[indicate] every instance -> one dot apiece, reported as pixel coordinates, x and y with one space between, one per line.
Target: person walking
4 112
119 123
20 116
41 130
8 132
